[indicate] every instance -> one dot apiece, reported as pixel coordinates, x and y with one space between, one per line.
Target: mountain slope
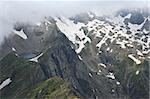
28 79
98 56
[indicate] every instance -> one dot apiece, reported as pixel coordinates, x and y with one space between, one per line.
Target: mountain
84 56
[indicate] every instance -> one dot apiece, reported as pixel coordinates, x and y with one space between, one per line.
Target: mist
34 11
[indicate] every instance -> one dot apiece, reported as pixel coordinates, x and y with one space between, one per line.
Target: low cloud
34 11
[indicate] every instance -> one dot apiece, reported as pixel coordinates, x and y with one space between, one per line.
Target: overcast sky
12 11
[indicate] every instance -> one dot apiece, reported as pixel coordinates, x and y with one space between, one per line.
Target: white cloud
31 11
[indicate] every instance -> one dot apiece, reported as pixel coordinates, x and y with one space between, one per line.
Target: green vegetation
29 81
23 74
53 88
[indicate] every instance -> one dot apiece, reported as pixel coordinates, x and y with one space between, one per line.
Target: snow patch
137 72
128 16
80 57
137 61
118 83
139 53
103 65
13 49
99 72
110 75
35 59
81 46
145 31
122 45
38 24
16 54
108 49
5 83
90 75
113 90
20 33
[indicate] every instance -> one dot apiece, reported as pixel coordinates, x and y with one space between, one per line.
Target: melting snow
137 72
13 49
81 46
130 45
35 59
116 31
118 83
146 32
122 45
103 40
101 64
145 52
38 24
47 22
128 16
90 15
135 27
17 55
110 75
90 74
99 72
139 53
113 90
20 33
5 83
72 30
108 49
80 57
134 59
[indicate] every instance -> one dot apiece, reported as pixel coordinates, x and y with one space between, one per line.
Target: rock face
61 60
146 26
137 18
83 18
48 64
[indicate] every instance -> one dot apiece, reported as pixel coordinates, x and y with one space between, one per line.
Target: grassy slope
28 79
53 88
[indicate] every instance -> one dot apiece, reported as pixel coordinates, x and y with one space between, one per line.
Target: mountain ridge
100 57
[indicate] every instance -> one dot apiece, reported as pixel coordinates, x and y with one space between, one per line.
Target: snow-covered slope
72 31
112 29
